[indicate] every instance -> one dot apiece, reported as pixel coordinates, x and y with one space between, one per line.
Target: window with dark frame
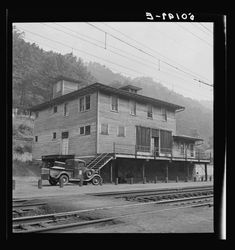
88 102
114 104
54 135
149 111
65 135
104 129
65 109
87 130
85 103
82 131
82 104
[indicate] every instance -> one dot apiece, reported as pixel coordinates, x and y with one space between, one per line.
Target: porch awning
186 138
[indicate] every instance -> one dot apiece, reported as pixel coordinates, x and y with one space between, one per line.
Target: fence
132 149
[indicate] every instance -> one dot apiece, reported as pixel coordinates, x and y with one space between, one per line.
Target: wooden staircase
100 161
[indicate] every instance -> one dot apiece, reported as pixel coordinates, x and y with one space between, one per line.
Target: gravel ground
28 187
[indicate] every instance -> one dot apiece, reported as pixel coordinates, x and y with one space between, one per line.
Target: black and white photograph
113 126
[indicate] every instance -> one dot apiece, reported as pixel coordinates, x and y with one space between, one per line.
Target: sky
178 55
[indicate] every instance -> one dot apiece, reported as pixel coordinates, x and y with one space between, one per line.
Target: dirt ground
73 197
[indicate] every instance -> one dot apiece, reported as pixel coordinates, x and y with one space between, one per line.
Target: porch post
166 172
143 172
111 172
206 172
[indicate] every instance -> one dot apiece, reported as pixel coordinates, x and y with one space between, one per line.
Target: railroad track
20 207
77 219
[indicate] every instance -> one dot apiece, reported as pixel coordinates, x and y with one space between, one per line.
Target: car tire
89 173
97 180
64 178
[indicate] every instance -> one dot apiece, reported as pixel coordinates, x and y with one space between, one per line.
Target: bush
19 149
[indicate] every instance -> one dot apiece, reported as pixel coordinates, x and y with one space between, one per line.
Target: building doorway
65 143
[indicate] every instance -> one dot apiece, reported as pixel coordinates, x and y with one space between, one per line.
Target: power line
86 53
206 28
193 34
146 53
141 62
106 48
194 24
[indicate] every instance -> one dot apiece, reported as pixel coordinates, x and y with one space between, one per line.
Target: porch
157 153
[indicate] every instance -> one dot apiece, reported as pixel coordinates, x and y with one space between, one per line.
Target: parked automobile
70 170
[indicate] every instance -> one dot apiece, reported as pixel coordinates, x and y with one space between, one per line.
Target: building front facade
87 121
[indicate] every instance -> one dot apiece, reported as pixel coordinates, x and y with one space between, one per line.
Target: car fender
92 177
59 175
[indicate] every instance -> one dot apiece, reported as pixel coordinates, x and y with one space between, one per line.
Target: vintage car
70 170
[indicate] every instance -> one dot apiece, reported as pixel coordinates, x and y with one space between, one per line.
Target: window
121 131
66 109
88 102
104 129
65 135
164 114
55 109
82 104
82 130
85 103
54 135
88 130
114 105
133 107
149 111
36 138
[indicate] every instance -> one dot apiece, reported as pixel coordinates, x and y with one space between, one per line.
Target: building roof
105 88
187 138
130 87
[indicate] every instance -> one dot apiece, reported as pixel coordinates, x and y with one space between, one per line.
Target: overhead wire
206 28
194 34
195 79
154 50
83 52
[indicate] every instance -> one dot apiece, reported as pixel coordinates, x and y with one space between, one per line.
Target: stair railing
90 163
101 159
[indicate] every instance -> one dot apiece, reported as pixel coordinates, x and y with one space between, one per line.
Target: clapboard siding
124 118
49 122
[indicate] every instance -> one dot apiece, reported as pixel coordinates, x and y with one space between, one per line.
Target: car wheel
89 173
96 180
53 182
64 178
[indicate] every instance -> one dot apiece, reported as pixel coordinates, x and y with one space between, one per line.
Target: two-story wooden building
120 132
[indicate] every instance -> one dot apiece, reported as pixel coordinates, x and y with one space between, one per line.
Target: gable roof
107 89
